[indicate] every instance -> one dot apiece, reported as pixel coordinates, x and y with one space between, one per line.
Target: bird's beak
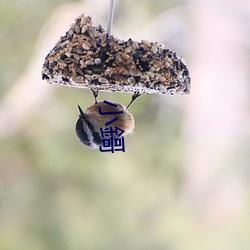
81 112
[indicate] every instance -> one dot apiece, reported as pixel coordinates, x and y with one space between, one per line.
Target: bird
100 115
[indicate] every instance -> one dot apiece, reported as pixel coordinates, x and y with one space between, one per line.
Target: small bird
103 114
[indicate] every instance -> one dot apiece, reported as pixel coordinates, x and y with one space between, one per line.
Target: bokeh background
183 181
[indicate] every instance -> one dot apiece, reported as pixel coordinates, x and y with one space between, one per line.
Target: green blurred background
183 181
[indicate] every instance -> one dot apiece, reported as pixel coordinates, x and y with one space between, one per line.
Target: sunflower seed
69 60
95 76
85 46
68 54
77 79
64 43
103 80
83 29
135 45
131 80
78 70
144 78
77 29
145 42
120 42
77 57
134 72
150 74
88 62
154 49
61 62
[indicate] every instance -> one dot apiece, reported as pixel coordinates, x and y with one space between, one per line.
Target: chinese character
108 132
111 137
111 143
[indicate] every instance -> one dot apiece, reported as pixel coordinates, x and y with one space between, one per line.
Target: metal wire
110 15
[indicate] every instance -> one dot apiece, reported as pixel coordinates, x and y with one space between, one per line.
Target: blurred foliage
20 23
56 194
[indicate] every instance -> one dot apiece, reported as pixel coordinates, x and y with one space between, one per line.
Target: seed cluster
88 57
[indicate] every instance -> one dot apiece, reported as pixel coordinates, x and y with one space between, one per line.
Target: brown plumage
125 120
96 117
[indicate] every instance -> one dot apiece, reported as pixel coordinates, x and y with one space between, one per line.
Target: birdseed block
88 57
